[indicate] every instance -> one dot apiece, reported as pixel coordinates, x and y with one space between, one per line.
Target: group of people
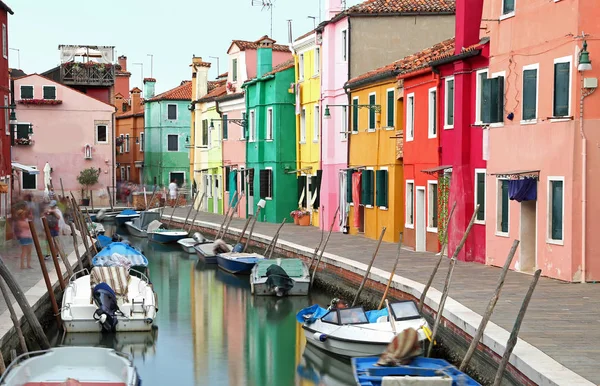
126 189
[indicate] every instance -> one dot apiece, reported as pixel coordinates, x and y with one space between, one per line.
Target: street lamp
239 122
585 64
327 113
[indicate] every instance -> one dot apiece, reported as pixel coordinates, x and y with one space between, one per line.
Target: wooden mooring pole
190 211
514 335
196 214
76 246
239 240
274 239
312 279
362 285
13 315
387 288
252 227
438 316
490 307
316 251
232 214
53 254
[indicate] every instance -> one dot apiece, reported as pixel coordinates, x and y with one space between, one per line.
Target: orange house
130 137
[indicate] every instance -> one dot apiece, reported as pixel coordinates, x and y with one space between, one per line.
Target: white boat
138 226
72 365
280 277
351 332
109 299
96 228
188 245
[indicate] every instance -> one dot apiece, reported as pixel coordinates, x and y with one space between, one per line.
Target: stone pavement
563 319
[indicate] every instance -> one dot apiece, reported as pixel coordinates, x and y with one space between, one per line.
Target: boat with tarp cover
280 277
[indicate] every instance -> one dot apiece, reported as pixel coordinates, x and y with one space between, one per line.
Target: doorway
215 194
528 236
420 227
206 191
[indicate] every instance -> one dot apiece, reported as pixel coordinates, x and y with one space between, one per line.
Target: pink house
66 129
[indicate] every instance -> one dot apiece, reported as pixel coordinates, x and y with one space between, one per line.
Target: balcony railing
96 74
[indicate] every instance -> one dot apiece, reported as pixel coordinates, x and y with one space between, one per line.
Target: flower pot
296 220
85 202
3 188
304 220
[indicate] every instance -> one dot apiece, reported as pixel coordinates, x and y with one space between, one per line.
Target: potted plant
301 217
87 178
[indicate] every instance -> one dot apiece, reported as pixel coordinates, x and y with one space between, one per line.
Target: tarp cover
153 226
310 314
277 277
373 315
128 212
116 277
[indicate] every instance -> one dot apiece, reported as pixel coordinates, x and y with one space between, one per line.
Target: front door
179 178
215 194
420 227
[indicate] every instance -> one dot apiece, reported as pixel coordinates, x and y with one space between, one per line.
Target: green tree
88 178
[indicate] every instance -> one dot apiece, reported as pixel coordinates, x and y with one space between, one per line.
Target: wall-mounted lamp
585 64
211 126
187 139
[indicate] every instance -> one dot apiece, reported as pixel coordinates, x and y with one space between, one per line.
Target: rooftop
182 92
246 45
403 6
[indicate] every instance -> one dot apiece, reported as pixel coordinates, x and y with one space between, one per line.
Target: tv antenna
266 5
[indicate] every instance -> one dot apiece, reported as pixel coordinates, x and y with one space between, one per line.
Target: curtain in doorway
356 187
523 190
232 188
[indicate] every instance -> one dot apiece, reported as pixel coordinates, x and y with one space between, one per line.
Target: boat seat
116 277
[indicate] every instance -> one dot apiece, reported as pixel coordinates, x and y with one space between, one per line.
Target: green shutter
205 132
390 108
349 185
50 93
371 112
371 185
355 115
557 210
434 207
225 127
26 92
562 73
22 131
481 196
245 128
381 191
486 99
497 114
367 187
450 102
504 208
232 187
508 6
529 94
234 69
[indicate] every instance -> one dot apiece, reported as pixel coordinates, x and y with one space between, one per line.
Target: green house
166 132
271 137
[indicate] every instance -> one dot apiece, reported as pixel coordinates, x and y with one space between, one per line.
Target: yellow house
374 162
308 123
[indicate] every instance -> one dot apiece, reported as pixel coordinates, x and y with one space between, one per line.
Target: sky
172 31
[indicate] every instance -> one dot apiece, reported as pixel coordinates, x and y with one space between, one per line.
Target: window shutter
557 202
529 94
450 101
227 179
349 185
390 108
241 175
508 6
264 183
367 187
22 131
504 218
371 112
225 127
234 69
434 207
486 99
245 128
251 182
301 186
371 186
355 115
498 98
50 93
317 188
481 196
381 191
561 89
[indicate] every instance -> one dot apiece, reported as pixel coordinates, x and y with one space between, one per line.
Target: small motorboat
238 262
109 299
160 235
96 229
207 252
138 226
72 366
352 332
126 215
280 277
119 254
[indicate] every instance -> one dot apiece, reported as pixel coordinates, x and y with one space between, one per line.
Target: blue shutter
232 187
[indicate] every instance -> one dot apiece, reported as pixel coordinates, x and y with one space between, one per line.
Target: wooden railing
82 75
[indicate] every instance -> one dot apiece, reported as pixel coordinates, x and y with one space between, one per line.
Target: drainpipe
113 166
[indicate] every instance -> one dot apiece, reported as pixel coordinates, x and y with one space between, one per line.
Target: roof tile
179 93
246 45
281 67
403 6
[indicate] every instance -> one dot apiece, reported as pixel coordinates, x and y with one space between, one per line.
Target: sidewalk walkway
563 319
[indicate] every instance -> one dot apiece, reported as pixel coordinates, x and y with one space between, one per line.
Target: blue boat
238 262
165 236
103 241
126 215
113 254
367 373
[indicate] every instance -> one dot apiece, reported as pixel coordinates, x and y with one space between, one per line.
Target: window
410 117
303 126
562 87
101 134
49 92
344 45
482 76
410 197
502 207
556 208
317 60
391 104
492 102
204 138
245 128
480 195
6 117
301 67
209 132
227 177
432 206
449 104
225 127
252 137
122 173
366 196
128 173
171 112
127 143
142 137
23 130
530 92
381 190
372 101
121 147
317 125
234 70
432 113
344 123
4 42
508 7
355 115
29 181
26 92
172 142
266 183
269 124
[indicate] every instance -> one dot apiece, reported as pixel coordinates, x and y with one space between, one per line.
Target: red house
423 220
5 140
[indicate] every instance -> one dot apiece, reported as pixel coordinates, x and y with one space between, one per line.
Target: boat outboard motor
106 300
220 247
197 236
238 248
116 238
278 280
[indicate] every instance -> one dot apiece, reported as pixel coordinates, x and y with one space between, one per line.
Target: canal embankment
345 262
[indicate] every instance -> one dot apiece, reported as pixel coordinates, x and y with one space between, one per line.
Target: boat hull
343 347
90 325
187 246
235 266
205 252
135 231
122 219
166 237
300 288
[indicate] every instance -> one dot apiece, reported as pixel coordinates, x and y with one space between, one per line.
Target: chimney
200 68
332 8
123 62
136 95
467 23
149 85
119 102
264 56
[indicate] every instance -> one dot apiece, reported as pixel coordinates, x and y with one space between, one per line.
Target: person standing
54 218
173 192
23 234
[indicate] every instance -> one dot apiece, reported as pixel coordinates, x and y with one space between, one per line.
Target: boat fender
320 337
148 320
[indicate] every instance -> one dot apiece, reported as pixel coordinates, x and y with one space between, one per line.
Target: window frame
301 67
564 59
508 14
344 122
430 183
174 135
357 120
446 99
302 126
388 188
479 94
55 95
476 190
142 144
535 66
393 108
225 128
176 111
4 41
270 186
410 117
410 225
269 131
498 229
345 45
549 239
372 112
35 179
252 128
317 60
316 123
432 126
21 91
96 126
496 75
126 142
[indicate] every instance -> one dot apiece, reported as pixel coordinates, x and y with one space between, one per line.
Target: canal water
210 330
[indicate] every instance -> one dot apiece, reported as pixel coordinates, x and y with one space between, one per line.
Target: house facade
129 122
543 148
166 134
5 97
271 143
307 56
66 129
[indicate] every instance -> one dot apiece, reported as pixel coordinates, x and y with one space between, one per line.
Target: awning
139 164
24 168
436 169
518 173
